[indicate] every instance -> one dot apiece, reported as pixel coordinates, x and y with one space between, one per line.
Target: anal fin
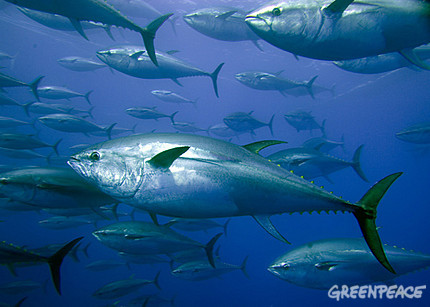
264 221
78 27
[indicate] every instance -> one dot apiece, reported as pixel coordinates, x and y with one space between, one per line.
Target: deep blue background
367 109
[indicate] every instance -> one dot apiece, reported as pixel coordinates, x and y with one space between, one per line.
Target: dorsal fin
338 6
170 52
136 55
225 15
257 146
165 158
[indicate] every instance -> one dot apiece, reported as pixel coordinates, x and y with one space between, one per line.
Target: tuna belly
186 193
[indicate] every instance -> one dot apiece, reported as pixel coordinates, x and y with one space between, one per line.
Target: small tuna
120 288
417 134
24 141
302 120
311 163
273 82
324 263
385 62
137 237
169 96
77 63
72 123
148 113
245 122
8 81
202 270
11 254
59 92
133 61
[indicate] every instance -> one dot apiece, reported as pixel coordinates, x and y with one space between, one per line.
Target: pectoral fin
326 266
264 221
338 6
78 27
166 158
412 57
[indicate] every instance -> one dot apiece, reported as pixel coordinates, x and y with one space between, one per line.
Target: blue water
367 109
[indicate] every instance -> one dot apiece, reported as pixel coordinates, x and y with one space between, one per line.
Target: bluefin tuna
61 23
19 287
187 127
222 23
7 101
97 11
169 96
51 188
134 61
148 113
383 62
197 224
42 108
77 63
302 120
343 29
72 123
59 92
417 134
245 122
202 270
11 254
135 237
272 82
8 81
323 144
311 163
120 288
7 122
324 263
191 176
24 141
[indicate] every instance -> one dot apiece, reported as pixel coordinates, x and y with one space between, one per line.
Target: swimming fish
222 23
192 176
11 254
324 263
97 11
337 30
134 61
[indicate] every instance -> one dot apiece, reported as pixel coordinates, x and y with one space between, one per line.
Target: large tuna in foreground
324 263
200 177
343 29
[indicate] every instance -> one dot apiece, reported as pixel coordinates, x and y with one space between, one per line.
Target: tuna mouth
273 269
256 23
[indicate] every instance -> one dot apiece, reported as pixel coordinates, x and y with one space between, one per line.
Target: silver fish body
324 263
417 134
134 61
184 175
342 30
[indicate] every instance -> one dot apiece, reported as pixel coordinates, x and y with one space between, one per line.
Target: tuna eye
276 11
95 156
286 266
